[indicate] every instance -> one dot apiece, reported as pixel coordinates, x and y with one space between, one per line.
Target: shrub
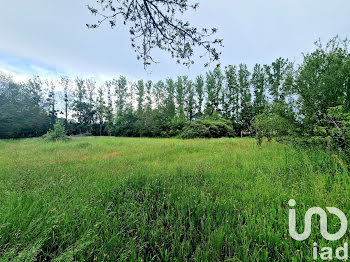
58 133
207 129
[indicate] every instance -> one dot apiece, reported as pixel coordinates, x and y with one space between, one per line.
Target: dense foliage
22 111
207 129
230 95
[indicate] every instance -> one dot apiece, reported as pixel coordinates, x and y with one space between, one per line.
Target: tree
158 91
125 124
140 108
149 88
35 90
246 113
199 88
189 100
130 96
185 84
323 82
279 79
170 106
65 81
148 111
109 109
90 88
140 97
80 104
156 23
101 108
180 96
22 112
258 83
231 105
225 101
121 90
51 102
214 84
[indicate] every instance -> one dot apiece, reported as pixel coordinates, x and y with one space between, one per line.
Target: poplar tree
148 110
158 91
279 79
109 109
180 96
35 90
90 88
100 108
170 106
80 104
140 97
65 83
199 88
121 93
246 112
214 84
232 105
258 83
51 102
189 100
149 89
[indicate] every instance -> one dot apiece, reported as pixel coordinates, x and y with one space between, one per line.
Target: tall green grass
125 199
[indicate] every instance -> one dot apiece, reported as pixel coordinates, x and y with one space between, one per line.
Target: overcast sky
49 37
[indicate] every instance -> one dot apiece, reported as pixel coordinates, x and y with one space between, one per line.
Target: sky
50 37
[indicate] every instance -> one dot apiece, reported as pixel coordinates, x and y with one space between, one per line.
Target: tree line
143 108
226 101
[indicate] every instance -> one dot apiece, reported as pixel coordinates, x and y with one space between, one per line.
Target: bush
207 129
57 134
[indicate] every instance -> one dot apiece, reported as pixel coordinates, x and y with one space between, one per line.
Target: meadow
142 199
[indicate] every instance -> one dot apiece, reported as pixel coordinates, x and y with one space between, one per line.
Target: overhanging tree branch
154 23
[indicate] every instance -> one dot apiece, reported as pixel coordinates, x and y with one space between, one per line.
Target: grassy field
125 199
